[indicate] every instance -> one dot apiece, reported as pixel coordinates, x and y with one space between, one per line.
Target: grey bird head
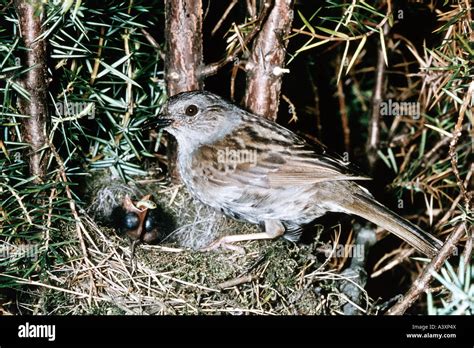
196 118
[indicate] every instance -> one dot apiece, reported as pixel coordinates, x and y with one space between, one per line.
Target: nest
272 277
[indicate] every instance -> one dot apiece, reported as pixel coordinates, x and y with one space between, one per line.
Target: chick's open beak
160 121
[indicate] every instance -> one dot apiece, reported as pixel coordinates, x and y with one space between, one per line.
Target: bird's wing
262 153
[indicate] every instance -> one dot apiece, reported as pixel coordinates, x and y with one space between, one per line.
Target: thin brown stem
224 16
213 68
79 225
344 119
153 42
374 123
452 147
96 67
421 284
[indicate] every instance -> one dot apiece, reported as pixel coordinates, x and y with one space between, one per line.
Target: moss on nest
272 277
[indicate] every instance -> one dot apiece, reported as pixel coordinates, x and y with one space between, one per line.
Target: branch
153 42
79 225
374 130
34 81
422 282
452 147
184 57
184 40
344 119
265 66
224 16
213 68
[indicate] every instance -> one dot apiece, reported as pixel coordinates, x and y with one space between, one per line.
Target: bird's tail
368 208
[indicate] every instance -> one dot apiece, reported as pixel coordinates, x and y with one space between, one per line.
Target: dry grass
272 277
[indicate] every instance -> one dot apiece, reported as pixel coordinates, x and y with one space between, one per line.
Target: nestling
255 170
142 220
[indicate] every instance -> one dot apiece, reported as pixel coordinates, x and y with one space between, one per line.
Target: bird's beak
160 121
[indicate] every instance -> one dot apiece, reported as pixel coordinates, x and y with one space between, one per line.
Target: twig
291 109
95 69
251 7
213 68
374 130
344 120
129 90
237 281
350 38
399 259
194 285
163 248
316 107
153 42
452 146
467 252
421 284
433 155
72 205
20 203
233 76
454 161
52 196
47 286
224 16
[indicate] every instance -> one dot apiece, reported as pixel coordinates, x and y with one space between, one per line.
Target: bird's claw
224 244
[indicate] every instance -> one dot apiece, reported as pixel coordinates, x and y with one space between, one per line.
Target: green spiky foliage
457 295
105 77
108 74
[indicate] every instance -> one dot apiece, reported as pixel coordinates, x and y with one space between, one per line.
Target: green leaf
306 23
316 44
113 71
334 33
356 53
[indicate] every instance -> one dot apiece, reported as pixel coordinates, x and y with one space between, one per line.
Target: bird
142 220
254 170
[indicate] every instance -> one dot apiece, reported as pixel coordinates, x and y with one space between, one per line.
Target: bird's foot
224 243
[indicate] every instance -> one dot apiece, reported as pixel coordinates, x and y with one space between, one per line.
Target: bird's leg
273 229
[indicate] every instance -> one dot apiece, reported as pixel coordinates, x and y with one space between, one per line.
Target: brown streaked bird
255 170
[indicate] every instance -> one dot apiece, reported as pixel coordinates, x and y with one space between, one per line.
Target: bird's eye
191 110
130 221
